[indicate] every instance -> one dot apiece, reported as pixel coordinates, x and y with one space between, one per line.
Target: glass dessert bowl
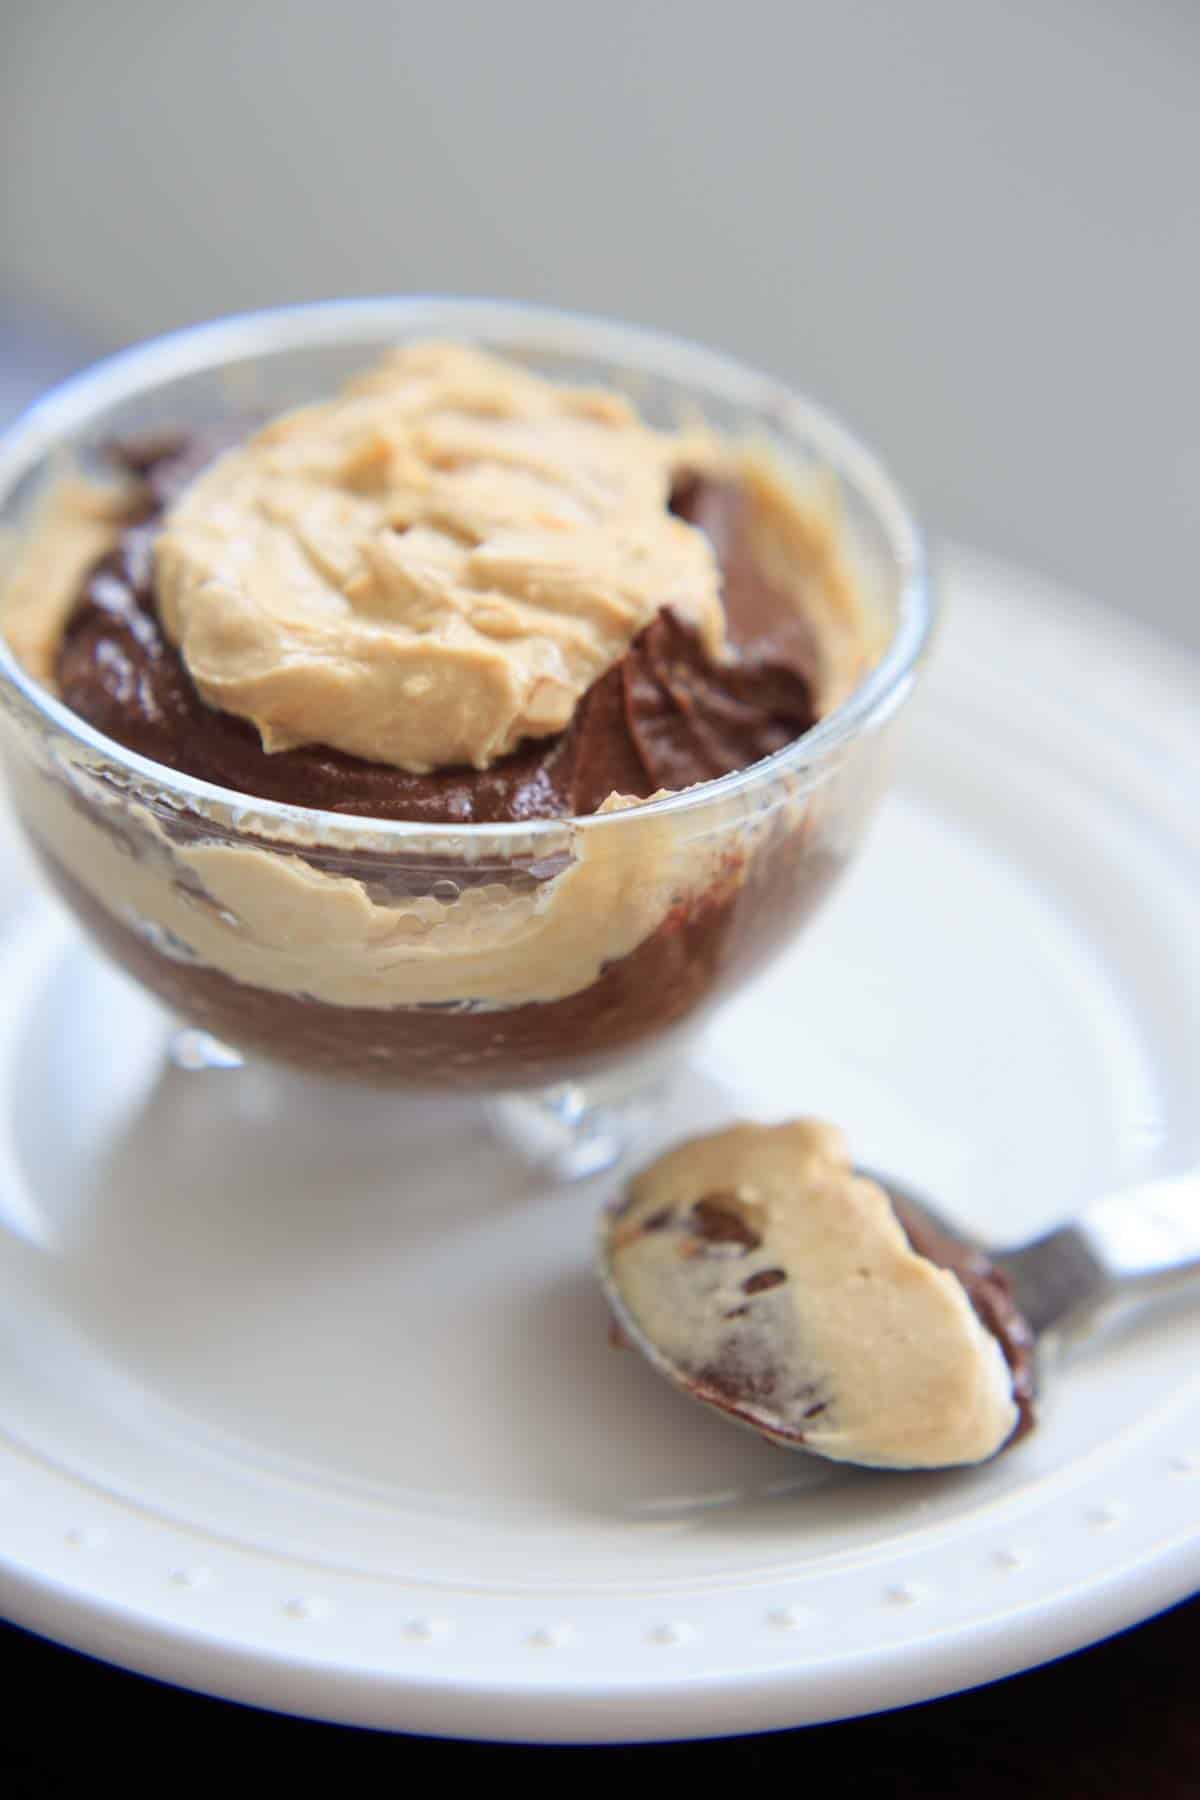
562 962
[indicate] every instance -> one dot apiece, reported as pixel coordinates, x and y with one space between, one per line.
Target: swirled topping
433 566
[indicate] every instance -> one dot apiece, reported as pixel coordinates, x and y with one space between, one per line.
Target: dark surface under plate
1117 1722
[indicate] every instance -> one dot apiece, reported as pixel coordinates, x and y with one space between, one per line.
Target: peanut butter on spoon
767 1278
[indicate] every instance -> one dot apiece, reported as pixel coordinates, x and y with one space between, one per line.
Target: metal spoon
1122 1252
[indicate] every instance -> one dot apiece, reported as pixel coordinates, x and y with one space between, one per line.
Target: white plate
282 1419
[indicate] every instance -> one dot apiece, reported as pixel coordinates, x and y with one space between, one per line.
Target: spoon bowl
1059 1290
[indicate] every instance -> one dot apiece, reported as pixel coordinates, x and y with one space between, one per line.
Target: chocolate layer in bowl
700 951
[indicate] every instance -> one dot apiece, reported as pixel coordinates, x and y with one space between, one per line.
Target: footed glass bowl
565 962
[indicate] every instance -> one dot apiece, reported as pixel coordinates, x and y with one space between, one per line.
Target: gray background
971 227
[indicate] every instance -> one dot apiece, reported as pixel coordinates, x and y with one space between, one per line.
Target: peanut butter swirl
432 566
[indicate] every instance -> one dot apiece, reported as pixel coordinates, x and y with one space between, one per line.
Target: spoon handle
1124 1248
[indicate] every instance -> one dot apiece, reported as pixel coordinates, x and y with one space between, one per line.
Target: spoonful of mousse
834 1312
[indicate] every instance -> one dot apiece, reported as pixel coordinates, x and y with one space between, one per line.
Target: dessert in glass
447 694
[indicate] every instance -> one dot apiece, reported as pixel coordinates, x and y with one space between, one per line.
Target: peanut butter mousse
457 595
431 567
787 1290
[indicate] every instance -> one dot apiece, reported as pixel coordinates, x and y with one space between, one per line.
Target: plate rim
732 1704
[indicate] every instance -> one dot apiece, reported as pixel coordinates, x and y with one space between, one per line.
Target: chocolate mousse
772 1281
461 596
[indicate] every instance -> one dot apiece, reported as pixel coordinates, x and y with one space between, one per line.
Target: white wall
973 227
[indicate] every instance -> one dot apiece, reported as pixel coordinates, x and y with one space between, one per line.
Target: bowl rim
65 411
